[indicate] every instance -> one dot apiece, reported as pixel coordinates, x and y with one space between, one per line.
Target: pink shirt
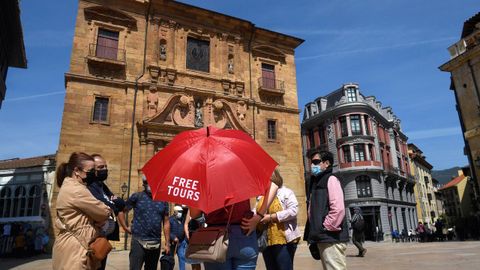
333 220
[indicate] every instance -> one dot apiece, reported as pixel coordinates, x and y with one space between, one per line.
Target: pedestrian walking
283 234
177 236
358 227
80 215
148 217
326 224
101 192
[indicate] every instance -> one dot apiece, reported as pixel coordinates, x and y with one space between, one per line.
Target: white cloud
379 48
34 96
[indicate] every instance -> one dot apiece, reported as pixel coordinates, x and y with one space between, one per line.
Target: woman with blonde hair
80 215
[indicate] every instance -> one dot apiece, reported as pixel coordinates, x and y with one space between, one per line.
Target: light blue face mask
315 169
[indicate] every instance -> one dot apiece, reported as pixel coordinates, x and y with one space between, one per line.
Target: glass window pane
100 110
198 54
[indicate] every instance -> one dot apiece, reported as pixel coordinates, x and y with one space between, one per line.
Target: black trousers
357 239
138 256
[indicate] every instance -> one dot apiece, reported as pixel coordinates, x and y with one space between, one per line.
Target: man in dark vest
326 224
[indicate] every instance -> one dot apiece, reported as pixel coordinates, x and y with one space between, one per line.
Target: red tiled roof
24 162
454 182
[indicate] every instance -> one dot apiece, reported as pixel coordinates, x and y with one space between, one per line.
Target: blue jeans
181 254
279 257
242 252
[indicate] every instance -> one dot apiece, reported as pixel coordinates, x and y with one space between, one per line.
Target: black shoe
363 252
314 251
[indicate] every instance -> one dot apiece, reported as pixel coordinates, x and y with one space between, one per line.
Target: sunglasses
316 161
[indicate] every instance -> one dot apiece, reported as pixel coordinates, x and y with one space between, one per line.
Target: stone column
362 122
367 153
349 127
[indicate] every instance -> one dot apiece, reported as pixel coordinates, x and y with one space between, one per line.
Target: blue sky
391 48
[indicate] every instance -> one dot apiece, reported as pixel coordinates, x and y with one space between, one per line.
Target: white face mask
179 215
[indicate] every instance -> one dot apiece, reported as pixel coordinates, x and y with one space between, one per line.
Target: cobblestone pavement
385 255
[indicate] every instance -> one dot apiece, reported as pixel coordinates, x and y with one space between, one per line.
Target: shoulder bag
209 244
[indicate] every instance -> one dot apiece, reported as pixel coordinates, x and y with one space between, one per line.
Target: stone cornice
454 63
175 88
382 200
86 78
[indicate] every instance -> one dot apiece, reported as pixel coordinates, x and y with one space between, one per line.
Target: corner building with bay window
370 156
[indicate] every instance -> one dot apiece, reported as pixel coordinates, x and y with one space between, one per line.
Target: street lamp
124 188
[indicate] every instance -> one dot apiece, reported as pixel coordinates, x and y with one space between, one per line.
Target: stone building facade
136 80
371 157
464 67
427 210
12 49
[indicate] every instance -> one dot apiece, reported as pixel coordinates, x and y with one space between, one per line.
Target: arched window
33 201
364 186
5 202
20 202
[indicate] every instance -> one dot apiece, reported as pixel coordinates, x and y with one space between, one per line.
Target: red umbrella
209 168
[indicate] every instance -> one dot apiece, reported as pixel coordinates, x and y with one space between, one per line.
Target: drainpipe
250 77
132 133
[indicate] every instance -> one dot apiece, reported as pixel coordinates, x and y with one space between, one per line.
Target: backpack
359 225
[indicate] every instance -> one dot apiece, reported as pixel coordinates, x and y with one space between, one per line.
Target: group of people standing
86 209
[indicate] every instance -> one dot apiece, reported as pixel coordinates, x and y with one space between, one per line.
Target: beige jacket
78 210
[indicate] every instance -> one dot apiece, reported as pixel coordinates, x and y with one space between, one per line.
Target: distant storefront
25 193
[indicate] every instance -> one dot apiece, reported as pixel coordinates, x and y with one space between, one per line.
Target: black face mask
91 177
102 175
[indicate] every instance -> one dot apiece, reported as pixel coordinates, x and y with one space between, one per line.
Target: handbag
209 244
262 240
99 248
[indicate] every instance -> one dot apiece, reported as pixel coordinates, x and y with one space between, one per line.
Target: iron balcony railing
105 52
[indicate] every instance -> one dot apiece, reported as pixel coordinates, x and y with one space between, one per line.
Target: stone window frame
356 128
275 137
359 153
122 33
351 94
107 122
364 181
276 66
210 51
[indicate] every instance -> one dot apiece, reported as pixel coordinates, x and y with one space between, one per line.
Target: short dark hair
313 153
326 155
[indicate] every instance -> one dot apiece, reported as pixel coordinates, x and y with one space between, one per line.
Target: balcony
374 165
271 86
106 55
391 170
